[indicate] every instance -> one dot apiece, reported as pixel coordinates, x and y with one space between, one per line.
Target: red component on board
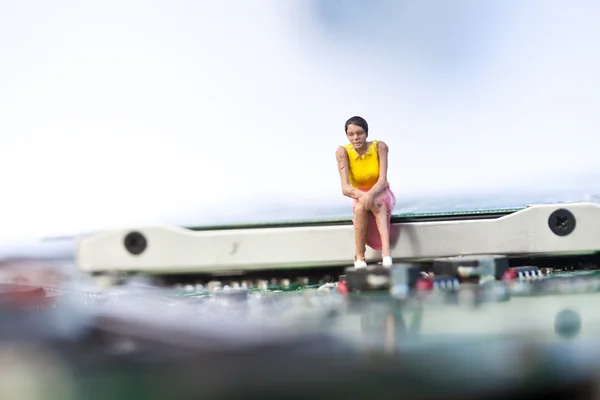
424 284
510 274
525 271
342 287
22 295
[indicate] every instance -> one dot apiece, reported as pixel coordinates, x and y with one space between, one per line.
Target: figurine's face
357 136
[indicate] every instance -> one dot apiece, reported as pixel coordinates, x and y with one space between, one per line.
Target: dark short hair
358 121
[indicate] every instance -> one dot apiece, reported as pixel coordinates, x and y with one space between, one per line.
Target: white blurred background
189 112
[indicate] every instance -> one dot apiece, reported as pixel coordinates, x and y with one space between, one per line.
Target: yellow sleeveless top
363 171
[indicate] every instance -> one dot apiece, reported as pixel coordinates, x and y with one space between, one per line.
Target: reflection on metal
567 323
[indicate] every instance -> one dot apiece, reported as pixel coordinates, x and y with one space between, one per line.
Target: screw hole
562 222
135 243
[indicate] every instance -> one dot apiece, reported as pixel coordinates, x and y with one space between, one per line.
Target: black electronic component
472 267
402 277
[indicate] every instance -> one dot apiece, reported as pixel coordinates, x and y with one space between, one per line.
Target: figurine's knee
379 207
359 209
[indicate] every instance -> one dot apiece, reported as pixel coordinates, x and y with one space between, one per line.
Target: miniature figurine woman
363 166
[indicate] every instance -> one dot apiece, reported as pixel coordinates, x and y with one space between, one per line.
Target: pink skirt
373 238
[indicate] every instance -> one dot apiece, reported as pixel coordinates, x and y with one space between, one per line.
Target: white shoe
387 261
358 263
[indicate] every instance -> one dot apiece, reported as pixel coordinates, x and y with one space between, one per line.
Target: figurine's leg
382 210
360 231
382 217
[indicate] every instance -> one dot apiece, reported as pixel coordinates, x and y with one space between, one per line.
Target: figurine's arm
382 152
342 160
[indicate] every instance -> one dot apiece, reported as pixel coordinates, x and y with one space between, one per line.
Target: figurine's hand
349 191
367 200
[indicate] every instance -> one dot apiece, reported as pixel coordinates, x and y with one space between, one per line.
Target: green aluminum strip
397 218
